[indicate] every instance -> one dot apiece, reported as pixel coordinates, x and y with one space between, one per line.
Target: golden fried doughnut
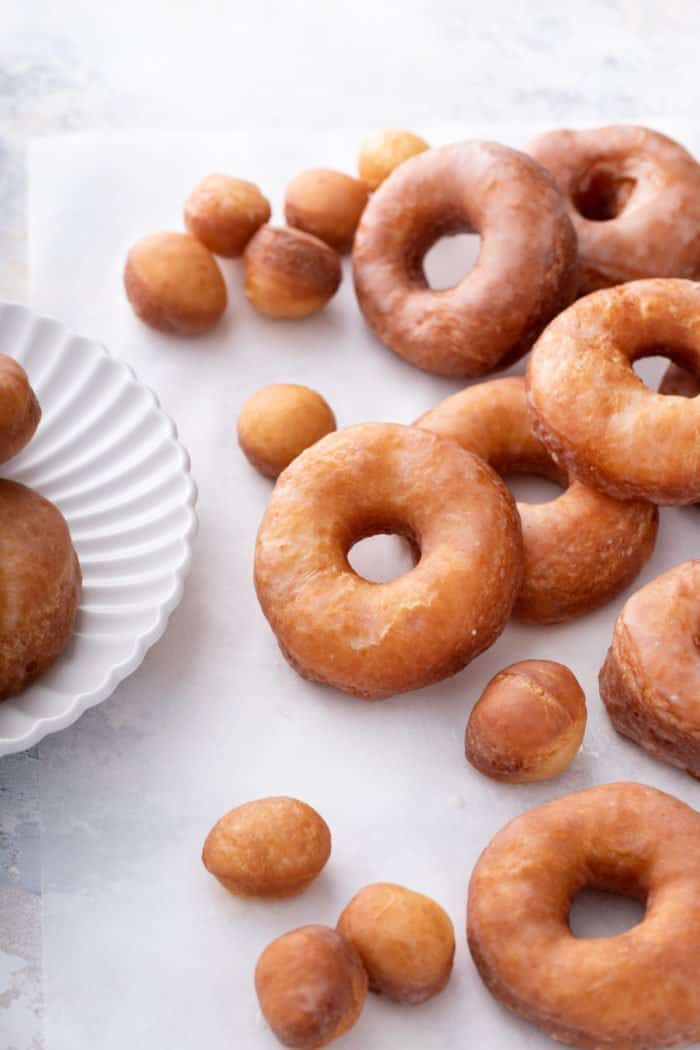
371 639
581 548
383 151
19 409
526 271
596 416
634 198
289 273
272 847
528 723
650 681
327 204
280 421
174 284
311 986
406 941
39 586
224 213
635 991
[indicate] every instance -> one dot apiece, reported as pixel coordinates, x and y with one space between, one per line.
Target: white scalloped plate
109 457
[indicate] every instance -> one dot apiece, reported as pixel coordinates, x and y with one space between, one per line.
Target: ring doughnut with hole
581 548
650 681
526 272
636 990
633 196
371 639
593 412
19 409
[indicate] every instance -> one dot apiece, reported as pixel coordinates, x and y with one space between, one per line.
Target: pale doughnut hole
271 847
383 151
278 422
405 940
311 986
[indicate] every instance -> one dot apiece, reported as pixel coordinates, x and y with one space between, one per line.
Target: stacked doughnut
39 571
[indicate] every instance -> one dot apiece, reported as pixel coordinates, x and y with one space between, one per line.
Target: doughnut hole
224 213
272 847
528 723
533 487
679 382
596 913
405 940
174 284
383 152
450 258
383 557
278 422
327 204
289 273
311 986
602 194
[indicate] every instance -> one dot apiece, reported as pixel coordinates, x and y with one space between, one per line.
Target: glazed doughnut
527 724
19 409
526 272
596 416
634 198
581 548
650 681
630 992
39 586
371 639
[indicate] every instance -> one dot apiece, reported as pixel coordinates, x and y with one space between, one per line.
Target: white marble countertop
206 65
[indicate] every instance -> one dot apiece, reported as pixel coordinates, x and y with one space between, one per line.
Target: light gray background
213 66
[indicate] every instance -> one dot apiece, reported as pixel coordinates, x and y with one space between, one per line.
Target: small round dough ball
273 847
311 986
289 273
528 723
383 151
224 213
327 204
174 284
278 422
405 940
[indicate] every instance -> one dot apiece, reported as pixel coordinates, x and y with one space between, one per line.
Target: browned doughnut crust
19 409
526 272
650 681
527 724
639 192
581 548
679 382
595 415
39 586
371 639
634 991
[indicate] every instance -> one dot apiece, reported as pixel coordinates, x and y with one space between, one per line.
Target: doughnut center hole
602 194
651 367
450 259
382 557
532 488
598 913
